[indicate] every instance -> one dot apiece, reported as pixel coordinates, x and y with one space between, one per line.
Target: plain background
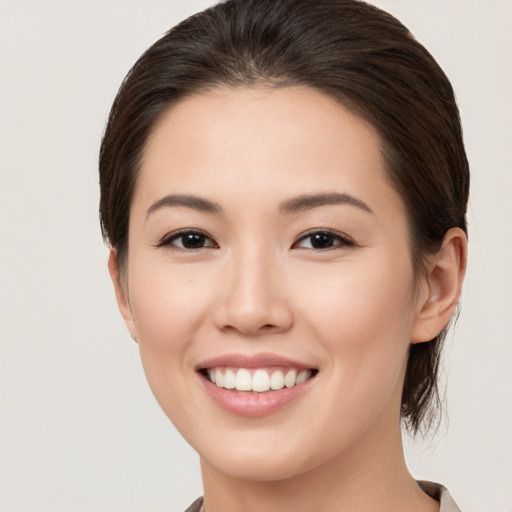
79 428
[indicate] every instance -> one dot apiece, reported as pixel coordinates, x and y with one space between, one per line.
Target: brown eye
189 240
323 240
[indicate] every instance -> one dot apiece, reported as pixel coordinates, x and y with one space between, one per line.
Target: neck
372 475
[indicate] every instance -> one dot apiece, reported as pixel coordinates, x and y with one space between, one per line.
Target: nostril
251 329
252 317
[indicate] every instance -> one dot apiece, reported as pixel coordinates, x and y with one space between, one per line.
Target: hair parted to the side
352 51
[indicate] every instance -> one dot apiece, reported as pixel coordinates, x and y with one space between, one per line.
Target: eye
322 239
188 240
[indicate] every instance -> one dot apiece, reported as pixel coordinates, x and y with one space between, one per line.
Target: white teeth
290 379
303 376
277 380
219 378
243 380
229 379
260 381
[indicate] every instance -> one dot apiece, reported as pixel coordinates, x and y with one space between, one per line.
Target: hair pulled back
359 55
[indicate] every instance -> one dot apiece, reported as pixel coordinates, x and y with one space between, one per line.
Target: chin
253 459
258 468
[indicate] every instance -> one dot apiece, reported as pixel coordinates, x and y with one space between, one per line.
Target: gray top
439 493
436 491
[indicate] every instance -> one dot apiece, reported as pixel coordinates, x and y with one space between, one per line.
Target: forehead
271 142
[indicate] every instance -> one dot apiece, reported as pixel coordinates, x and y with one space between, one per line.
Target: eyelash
167 240
342 241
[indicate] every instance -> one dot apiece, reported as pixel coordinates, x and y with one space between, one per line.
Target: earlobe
443 284
122 298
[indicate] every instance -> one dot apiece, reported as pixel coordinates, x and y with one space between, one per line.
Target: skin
350 310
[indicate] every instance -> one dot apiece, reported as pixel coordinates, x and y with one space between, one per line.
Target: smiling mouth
258 380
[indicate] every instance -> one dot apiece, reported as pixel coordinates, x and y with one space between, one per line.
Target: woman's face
265 240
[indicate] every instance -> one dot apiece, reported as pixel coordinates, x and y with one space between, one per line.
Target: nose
254 299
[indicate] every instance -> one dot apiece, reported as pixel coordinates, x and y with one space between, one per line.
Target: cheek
360 320
167 305
362 295
362 315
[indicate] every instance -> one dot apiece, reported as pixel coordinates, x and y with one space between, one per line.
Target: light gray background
79 428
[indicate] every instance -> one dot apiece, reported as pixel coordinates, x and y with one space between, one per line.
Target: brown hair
352 51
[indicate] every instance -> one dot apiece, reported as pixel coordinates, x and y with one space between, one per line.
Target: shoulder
197 506
441 494
434 490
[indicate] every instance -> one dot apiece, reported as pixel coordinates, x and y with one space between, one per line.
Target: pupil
321 240
193 240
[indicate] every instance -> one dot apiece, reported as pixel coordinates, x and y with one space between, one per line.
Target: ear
123 301
441 287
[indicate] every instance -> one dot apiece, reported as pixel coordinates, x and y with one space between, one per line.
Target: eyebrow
307 202
187 201
293 205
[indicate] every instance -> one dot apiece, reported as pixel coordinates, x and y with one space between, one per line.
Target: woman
284 188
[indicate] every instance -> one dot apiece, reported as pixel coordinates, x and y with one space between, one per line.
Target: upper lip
251 361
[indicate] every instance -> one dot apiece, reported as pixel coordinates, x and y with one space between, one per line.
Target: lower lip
252 404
